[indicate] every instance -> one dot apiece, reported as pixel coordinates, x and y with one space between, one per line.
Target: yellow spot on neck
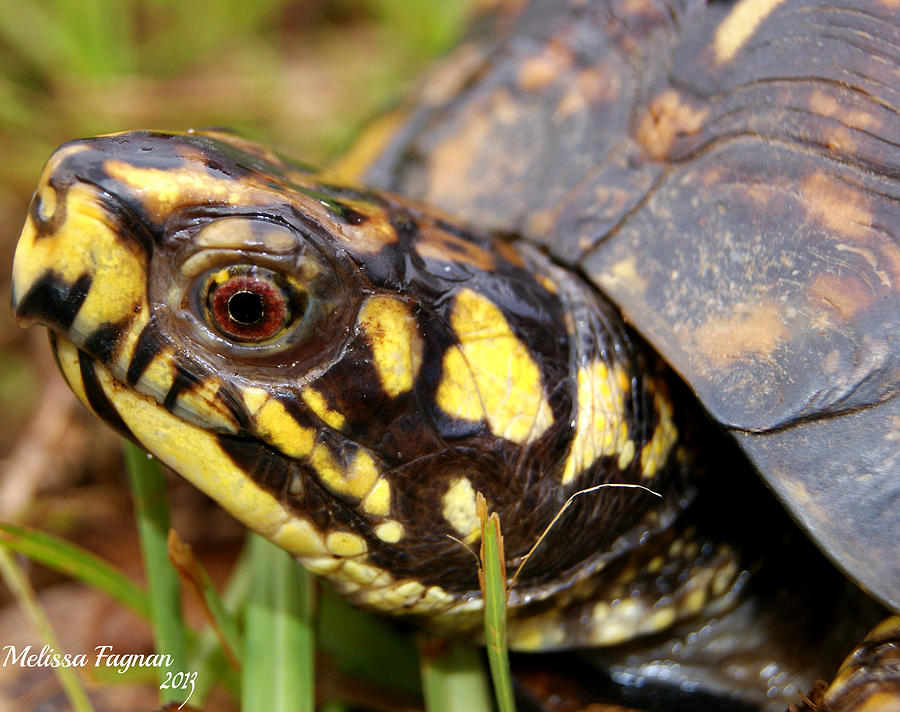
656 452
397 345
316 402
390 532
378 501
346 544
458 508
600 427
357 480
739 26
491 374
299 537
276 426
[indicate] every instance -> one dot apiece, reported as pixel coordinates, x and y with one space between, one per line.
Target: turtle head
343 370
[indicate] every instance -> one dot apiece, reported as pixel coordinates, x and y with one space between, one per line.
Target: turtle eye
251 304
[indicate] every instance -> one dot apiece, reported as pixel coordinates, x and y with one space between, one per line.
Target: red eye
248 308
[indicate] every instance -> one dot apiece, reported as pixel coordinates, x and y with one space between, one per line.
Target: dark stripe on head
149 343
100 404
234 406
52 302
103 343
131 229
187 375
262 464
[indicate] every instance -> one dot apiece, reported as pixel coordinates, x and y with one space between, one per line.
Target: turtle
606 242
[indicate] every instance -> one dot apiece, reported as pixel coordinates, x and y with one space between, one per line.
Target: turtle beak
76 270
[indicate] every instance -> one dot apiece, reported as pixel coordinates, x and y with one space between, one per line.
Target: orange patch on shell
543 69
827 105
747 332
846 294
838 206
668 117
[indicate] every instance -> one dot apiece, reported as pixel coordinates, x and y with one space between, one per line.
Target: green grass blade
453 677
194 575
207 657
15 578
148 486
279 634
348 636
77 563
493 588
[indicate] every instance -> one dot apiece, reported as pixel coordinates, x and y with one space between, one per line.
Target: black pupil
245 307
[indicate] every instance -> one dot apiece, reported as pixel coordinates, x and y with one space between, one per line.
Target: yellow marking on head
157 378
324 566
47 201
316 402
458 508
129 340
739 26
195 453
276 426
437 244
390 532
492 374
163 190
87 243
240 233
363 574
301 538
346 544
361 475
397 345
600 425
356 481
378 501
656 452
67 355
254 398
203 403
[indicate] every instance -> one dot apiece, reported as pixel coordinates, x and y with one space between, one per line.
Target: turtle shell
729 174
